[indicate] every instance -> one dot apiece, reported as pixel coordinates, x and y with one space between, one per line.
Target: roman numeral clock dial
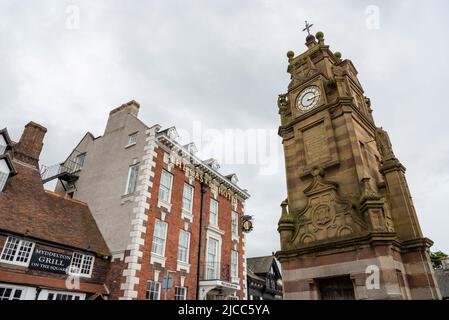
308 98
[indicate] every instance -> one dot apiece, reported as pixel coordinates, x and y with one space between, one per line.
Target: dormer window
191 148
5 141
3 144
6 169
172 133
213 163
233 178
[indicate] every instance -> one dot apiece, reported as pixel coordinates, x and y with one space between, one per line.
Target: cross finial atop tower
307 28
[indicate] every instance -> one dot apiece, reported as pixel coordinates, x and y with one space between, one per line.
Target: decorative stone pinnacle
367 191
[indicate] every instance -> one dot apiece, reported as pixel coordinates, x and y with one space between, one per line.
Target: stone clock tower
348 228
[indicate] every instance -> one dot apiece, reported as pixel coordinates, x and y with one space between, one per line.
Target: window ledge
235 238
163 204
130 145
127 198
180 265
235 280
17 264
84 276
158 259
215 229
187 215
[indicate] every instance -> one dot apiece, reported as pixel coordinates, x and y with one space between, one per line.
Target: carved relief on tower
384 144
302 69
374 208
284 109
327 215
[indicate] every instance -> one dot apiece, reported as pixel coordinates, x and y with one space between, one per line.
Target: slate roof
26 208
252 275
259 264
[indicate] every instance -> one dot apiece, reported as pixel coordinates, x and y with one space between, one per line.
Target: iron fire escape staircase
65 172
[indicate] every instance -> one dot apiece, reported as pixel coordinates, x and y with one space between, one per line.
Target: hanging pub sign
50 261
247 223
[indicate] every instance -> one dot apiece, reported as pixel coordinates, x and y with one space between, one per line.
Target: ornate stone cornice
392 164
368 239
345 103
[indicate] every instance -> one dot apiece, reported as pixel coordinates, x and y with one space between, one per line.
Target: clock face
308 98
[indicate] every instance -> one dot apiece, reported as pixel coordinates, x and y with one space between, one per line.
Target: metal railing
59 170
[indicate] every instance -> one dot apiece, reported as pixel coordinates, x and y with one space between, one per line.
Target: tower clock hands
313 97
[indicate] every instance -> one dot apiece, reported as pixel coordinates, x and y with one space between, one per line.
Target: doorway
338 288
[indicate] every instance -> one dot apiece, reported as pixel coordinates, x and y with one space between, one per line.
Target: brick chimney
29 147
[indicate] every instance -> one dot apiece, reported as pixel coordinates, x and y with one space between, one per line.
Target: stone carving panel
326 216
315 144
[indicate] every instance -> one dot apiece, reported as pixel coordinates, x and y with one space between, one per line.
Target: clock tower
348 227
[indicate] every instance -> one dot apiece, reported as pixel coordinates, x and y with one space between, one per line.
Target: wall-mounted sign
228 285
50 261
247 223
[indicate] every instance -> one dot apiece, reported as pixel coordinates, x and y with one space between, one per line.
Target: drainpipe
203 191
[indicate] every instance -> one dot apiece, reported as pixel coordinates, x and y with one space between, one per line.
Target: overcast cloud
220 65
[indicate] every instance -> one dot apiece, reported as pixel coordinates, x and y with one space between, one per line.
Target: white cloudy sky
220 65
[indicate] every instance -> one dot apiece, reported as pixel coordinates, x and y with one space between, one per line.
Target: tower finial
307 28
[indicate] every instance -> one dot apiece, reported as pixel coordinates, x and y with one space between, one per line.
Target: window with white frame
165 186
235 224
187 198
180 293
213 218
10 293
159 238
153 290
133 174
79 161
3 178
81 265
234 264
3 144
17 251
132 138
183 246
4 173
55 295
212 259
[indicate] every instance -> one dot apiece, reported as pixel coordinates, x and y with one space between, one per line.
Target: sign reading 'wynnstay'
50 261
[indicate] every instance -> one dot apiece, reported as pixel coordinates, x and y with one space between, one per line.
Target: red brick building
50 245
162 210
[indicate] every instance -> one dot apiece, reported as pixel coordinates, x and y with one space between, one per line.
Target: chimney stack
117 117
29 147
